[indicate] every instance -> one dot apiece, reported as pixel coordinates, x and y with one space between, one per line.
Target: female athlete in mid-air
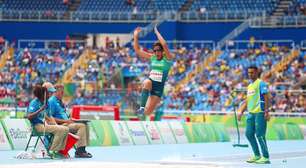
161 62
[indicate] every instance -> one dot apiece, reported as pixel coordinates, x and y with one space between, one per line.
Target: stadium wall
59 30
194 31
171 30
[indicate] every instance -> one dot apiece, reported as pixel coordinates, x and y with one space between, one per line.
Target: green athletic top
255 99
159 69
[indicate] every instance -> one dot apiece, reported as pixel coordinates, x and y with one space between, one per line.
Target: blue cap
51 89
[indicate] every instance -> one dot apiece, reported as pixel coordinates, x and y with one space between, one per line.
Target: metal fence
243 44
273 22
259 19
147 17
48 44
189 44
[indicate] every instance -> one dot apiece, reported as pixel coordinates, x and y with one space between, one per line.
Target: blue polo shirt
57 108
35 105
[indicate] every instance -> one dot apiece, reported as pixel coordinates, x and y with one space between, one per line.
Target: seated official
58 112
42 121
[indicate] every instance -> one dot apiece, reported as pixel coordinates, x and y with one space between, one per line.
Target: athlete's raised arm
163 42
137 48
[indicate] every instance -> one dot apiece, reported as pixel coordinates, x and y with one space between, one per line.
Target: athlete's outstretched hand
137 31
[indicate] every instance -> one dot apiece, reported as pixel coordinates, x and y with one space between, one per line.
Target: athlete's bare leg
147 84
153 101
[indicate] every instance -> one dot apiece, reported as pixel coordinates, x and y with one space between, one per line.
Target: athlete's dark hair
253 67
159 45
256 69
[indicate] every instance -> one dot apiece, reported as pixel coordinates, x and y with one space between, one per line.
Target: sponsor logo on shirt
251 92
157 64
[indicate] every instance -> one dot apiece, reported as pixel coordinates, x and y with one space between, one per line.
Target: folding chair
45 138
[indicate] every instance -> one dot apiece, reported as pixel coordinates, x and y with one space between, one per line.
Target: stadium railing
189 44
197 112
259 18
22 110
272 22
243 44
149 16
222 16
47 44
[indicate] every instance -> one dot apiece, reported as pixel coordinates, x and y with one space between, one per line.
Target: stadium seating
32 66
212 87
209 90
209 8
109 6
285 101
168 5
235 5
36 5
145 9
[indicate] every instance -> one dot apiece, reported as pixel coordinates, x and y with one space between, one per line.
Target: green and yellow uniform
256 122
159 74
